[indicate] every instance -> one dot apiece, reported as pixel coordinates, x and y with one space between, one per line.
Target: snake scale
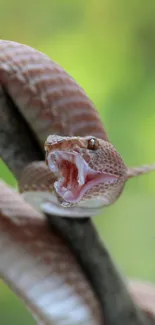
83 171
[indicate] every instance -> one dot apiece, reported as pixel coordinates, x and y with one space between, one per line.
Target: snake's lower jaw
47 202
69 212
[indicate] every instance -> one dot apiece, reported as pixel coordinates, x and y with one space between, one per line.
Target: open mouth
75 177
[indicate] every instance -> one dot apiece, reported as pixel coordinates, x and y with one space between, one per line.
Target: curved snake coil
35 262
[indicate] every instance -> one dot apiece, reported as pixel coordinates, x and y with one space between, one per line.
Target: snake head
89 171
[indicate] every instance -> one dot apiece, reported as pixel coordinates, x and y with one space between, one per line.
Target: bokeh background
109 48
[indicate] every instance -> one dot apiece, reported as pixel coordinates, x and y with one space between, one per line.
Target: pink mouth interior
75 177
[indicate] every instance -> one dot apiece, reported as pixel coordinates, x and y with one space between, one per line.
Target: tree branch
18 146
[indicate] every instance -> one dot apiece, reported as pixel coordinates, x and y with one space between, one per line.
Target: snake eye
93 144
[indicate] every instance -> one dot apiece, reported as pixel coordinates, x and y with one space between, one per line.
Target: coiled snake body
84 172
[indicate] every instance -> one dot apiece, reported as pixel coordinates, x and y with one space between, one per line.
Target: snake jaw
74 175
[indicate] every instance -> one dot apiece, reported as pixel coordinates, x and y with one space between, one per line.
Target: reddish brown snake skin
47 280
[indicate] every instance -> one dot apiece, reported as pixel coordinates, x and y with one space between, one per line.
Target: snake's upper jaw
74 175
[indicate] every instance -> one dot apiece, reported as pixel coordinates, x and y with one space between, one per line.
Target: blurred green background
109 48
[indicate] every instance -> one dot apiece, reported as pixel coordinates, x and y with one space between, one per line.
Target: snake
86 171
82 171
